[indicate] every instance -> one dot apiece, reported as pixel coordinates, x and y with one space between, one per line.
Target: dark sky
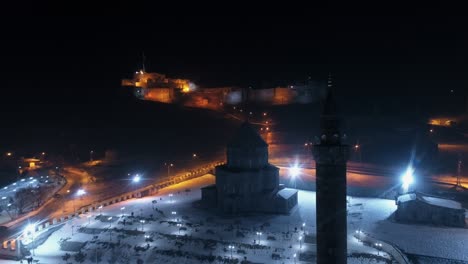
57 61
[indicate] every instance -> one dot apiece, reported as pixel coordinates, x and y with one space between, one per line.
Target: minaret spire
329 121
330 159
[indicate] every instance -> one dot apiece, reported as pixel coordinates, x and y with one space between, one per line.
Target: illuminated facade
157 87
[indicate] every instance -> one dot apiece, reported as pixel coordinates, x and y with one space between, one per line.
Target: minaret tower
330 157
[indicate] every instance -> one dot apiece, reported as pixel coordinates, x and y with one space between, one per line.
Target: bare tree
23 198
42 194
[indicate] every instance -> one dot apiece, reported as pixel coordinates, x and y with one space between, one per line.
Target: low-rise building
416 207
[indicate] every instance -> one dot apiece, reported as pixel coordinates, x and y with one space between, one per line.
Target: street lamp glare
408 178
30 229
136 178
80 192
294 171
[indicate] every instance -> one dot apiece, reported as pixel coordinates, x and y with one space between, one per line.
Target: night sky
76 63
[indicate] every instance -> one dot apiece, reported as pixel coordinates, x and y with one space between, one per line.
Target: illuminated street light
169 167
123 211
91 155
179 226
357 149
110 222
378 246
359 234
30 230
300 241
408 178
294 256
136 178
231 247
259 234
100 210
9 154
80 192
194 155
294 171
142 223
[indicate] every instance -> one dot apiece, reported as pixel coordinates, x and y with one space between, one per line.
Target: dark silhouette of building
247 182
330 157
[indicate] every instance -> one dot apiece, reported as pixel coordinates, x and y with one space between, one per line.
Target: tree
23 198
66 257
96 257
42 194
80 257
8 210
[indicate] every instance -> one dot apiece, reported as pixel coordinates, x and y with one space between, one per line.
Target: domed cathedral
247 182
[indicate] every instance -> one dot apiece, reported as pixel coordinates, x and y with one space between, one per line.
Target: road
69 201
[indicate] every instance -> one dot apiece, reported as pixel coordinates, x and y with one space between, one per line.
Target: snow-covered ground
178 231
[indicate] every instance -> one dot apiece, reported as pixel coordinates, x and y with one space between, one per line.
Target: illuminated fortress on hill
158 87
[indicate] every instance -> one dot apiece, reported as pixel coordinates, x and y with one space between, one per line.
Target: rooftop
247 137
436 201
287 193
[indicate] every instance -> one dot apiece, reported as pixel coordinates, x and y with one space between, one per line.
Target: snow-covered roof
287 193
442 202
406 197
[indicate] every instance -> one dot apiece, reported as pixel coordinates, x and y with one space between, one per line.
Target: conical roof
247 137
329 107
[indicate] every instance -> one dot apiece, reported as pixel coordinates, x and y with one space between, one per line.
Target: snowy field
174 229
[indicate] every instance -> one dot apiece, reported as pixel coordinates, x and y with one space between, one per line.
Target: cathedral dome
246 136
247 150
